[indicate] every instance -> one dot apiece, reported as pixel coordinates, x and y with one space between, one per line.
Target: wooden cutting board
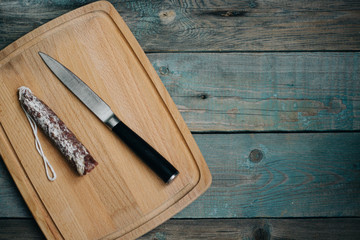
121 197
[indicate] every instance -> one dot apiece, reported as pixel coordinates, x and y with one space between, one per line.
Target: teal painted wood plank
216 25
257 229
20 229
11 201
174 229
299 175
264 91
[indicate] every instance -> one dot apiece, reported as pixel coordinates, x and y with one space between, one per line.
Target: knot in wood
261 234
167 16
203 96
252 4
164 70
256 155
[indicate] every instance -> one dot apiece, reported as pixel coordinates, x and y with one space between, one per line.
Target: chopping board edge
11 50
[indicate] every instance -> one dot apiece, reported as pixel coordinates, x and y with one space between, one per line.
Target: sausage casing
73 150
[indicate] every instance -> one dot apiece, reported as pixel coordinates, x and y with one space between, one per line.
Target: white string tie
37 141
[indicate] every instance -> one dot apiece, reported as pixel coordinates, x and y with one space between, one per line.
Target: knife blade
154 160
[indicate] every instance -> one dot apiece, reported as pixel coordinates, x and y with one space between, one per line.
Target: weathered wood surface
11 202
291 88
257 229
299 175
20 229
232 25
264 91
264 229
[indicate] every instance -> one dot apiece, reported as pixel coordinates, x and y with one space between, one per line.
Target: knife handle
147 154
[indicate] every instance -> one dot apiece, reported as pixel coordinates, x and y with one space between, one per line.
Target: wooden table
271 93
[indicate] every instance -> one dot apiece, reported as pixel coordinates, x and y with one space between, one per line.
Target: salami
73 150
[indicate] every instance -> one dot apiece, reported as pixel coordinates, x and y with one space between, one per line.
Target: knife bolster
112 121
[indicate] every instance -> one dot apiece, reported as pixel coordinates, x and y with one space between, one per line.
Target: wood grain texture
257 229
299 175
263 91
12 203
126 197
21 229
291 88
231 25
251 229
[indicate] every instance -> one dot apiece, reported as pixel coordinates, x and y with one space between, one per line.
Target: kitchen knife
147 154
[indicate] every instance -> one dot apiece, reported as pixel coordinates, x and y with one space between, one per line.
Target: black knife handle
147 154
